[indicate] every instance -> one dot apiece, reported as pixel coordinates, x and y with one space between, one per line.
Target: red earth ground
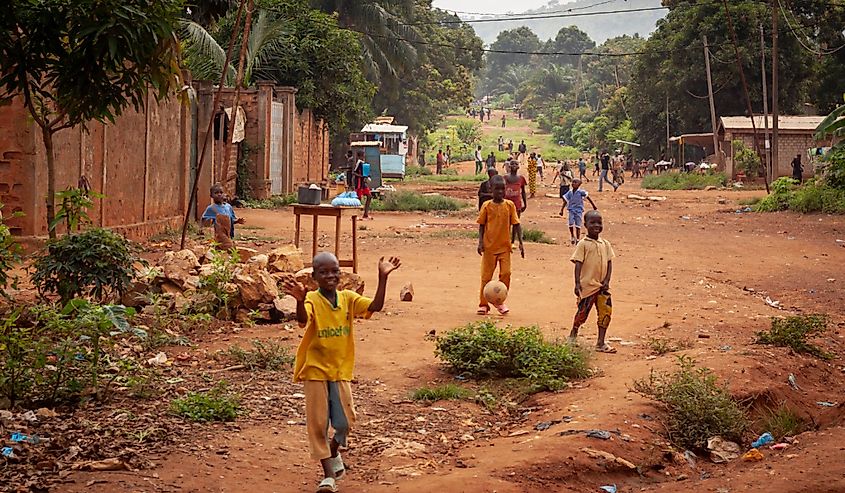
688 268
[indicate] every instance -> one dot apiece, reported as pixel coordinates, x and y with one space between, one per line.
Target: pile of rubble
252 285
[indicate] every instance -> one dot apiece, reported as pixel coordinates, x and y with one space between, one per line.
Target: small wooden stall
339 213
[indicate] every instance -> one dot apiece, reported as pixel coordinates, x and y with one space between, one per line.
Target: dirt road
687 268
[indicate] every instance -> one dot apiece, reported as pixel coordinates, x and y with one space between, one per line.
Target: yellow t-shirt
497 220
594 255
327 350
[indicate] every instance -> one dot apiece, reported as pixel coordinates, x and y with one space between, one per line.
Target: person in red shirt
515 189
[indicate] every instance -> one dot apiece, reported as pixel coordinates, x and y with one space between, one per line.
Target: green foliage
20 358
536 236
216 284
10 254
684 181
697 406
216 404
74 206
778 199
447 392
813 196
96 263
745 159
793 332
264 355
782 422
468 132
660 346
453 177
483 350
413 171
832 167
274 202
413 201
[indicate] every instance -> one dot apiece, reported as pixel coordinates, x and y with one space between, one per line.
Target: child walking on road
325 358
495 221
573 200
593 266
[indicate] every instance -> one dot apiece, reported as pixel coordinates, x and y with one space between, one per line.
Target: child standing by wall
593 266
495 221
222 216
326 356
573 200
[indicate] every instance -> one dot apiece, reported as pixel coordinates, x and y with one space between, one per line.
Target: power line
800 41
545 12
535 17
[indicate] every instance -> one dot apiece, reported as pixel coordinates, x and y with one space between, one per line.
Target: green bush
454 177
412 171
217 404
536 236
264 355
684 181
793 332
697 406
274 202
96 263
413 201
483 350
445 392
778 198
215 285
10 254
782 422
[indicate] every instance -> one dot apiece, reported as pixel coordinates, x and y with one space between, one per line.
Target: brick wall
789 143
140 163
311 149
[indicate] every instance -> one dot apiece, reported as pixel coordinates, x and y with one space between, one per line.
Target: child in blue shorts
574 199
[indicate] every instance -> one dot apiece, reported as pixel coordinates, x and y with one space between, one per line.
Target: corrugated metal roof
384 128
802 123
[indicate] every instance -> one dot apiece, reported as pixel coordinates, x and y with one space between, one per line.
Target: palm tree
387 39
205 57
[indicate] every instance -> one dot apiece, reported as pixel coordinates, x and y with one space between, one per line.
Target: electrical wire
605 2
538 16
800 41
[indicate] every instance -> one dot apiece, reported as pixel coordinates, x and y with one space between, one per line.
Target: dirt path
684 270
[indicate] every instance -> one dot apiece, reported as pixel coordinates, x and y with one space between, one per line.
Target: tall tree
569 40
81 60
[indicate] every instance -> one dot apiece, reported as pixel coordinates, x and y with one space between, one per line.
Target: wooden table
315 211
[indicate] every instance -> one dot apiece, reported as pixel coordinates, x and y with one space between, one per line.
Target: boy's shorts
576 218
327 403
362 192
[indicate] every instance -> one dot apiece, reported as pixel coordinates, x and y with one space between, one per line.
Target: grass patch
782 422
413 201
484 350
447 392
216 404
697 406
793 332
263 355
684 181
413 171
274 202
536 236
751 201
660 346
446 178
455 233
813 196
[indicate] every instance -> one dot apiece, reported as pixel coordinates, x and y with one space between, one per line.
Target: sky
491 6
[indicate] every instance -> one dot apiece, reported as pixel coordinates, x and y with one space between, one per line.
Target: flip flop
607 348
338 466
503 309
483 310
327 485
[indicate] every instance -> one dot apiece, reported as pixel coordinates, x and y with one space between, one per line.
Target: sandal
483 310
338 466
607 348
327 485
503 309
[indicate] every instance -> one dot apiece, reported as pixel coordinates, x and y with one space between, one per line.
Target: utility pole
667 124
775 113
712 104
765 106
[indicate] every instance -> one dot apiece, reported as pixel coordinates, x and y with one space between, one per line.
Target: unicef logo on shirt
333 332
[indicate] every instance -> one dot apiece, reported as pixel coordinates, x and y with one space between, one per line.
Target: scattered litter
744 210
600 454
726 348
112 464
20 437
773 303
722 450
30 417
653 198
545 425
826 404
780 446
608 488
763 439
690 457
600 434
752 455
792 382
831 279
518 433
158 360
685 218
7 452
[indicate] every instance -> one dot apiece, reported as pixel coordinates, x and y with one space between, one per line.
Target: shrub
817 198
793 332
411 171
264 355
782 422
536 236
96 263
413 201
216 404
454 177
215 284
10 254
684 181
746 159
445 392
484 350
660 346
778 199
697 406
274 202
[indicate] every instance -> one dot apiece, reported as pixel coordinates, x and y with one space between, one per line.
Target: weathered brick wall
311 149
789 145
140 163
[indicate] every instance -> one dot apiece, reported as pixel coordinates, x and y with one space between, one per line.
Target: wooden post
314 237
337 234
355 244
712 104
767 163
775 95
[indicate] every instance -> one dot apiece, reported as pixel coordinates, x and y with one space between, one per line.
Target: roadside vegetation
684 181
794 331
407 201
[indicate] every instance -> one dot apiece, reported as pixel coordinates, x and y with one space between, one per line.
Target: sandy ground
685 269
